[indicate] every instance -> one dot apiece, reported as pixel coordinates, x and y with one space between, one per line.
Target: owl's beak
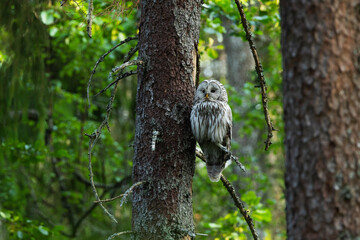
206 96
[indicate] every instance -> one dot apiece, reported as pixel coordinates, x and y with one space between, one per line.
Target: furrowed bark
164 144
321 60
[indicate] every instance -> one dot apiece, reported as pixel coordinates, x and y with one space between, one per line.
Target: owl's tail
214 172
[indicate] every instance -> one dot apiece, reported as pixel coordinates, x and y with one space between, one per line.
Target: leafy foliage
45 63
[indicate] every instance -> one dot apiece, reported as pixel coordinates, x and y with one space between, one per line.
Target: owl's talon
223 148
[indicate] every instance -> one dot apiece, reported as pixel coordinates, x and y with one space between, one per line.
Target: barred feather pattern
211 123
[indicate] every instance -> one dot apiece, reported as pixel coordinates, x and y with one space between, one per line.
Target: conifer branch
259 71
102 59
238 203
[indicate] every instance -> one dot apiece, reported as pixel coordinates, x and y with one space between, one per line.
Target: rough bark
169 32
321 54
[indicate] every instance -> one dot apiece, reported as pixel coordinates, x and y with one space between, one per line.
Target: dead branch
259 71
86 213
94 137
124 65
92 143
102 185
63 2
102 59
110 199
123 196
118 234
122 76
236 160
123 200
238 203
89 20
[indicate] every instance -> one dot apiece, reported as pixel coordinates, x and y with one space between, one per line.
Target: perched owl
211 124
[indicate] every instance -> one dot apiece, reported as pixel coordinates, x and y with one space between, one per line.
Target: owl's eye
213 90
203 91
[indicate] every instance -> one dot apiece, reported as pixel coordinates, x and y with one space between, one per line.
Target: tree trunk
164 144
321 54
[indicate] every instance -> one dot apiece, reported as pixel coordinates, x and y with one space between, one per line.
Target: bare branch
102 185
118 234
236 160
123 200
122 76
92 143
63 2
89 20
102 59
110 199
107 188
259 71
124 65
238 203
123 196
94 137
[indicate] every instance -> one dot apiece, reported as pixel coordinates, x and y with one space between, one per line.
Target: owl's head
211 90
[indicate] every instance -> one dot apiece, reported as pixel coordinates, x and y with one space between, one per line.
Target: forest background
46 59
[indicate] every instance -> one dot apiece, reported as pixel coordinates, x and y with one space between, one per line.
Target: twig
89 20
131 53
123 196
92 143
110 199
80 9
102 59
83 216
124 65
94 137
63 2
238 203
236 160
102 185
123 200
94 205
259 71
202 234
118 234
124 75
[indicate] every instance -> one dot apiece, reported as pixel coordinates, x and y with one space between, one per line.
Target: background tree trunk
169 32
320 47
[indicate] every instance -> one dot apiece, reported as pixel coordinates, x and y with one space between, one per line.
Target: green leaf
43 231
262 215
53 31
212 53
47 17
5 215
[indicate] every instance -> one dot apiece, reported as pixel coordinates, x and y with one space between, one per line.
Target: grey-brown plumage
211 123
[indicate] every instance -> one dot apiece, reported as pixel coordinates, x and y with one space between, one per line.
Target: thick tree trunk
321 54
164 145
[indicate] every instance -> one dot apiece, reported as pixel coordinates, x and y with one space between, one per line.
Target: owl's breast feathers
211 121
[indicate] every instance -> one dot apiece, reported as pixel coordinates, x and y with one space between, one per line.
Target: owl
211 124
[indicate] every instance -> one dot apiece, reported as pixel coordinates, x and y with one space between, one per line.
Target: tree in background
320 47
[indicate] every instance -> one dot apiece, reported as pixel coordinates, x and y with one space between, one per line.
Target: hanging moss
23 85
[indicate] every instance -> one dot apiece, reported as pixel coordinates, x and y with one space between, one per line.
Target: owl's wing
228 135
